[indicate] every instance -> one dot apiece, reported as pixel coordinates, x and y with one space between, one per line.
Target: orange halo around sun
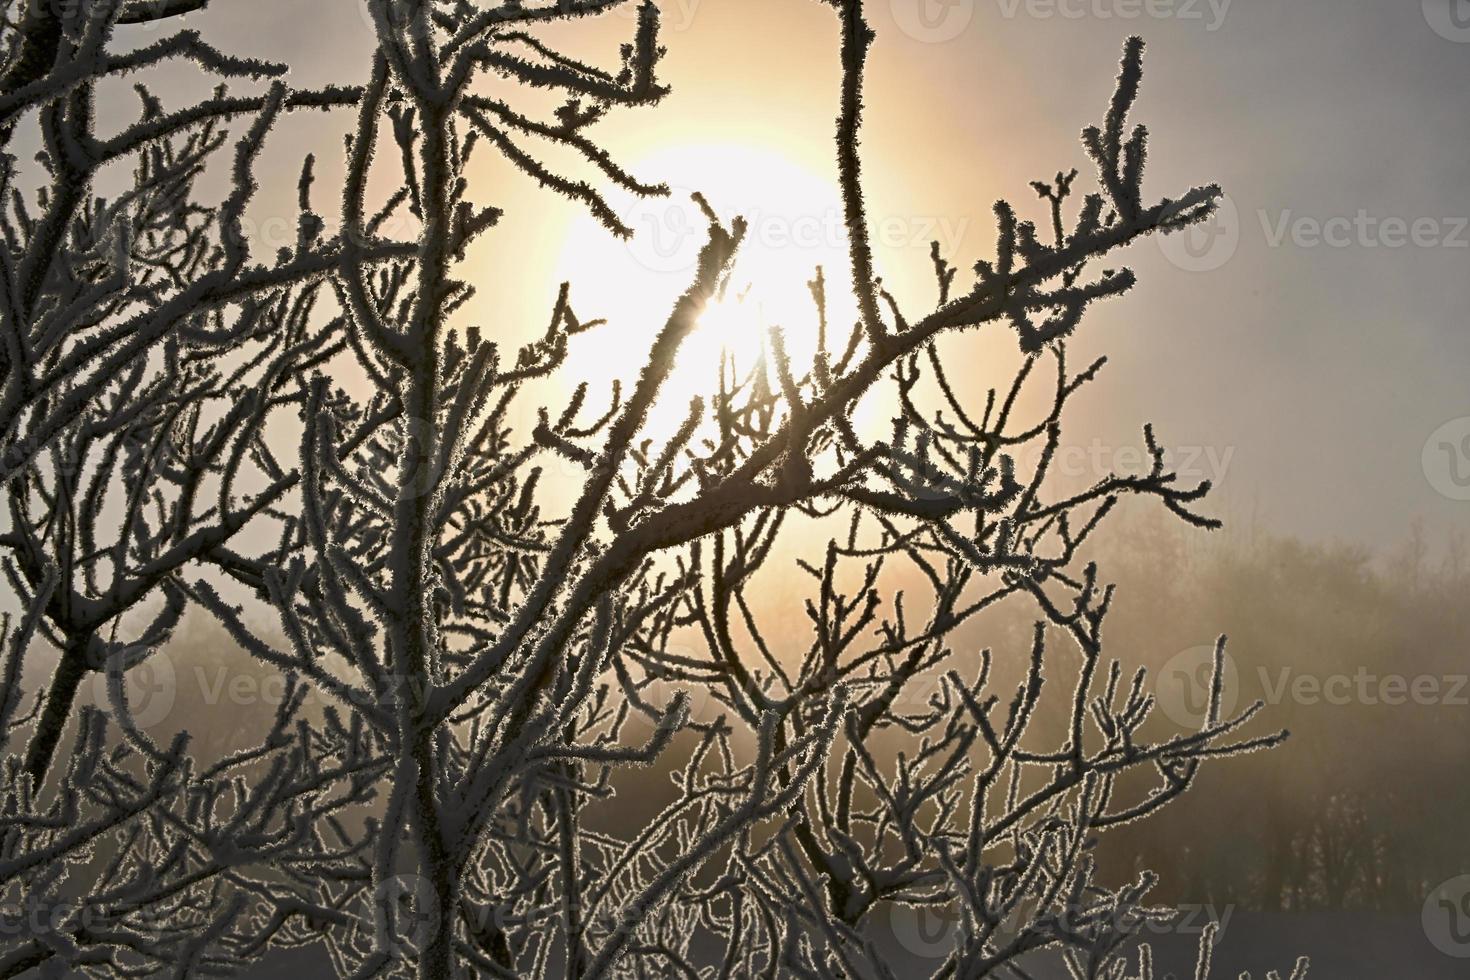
794 225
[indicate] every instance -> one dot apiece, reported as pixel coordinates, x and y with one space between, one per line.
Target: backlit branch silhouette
493 672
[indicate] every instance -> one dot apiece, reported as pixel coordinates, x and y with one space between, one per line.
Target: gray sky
1306 354
1320 355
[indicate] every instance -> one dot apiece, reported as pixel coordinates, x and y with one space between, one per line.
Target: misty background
1309 354
1315 342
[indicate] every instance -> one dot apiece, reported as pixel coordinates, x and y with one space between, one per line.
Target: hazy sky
1306 354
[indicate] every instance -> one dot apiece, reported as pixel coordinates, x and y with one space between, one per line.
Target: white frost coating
483 665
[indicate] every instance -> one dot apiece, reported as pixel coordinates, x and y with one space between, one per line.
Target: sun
794 221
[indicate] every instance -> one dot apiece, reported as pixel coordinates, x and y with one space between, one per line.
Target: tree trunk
60 696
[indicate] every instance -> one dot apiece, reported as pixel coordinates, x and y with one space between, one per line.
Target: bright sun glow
794 218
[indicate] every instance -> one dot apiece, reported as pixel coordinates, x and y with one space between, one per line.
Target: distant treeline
1364 658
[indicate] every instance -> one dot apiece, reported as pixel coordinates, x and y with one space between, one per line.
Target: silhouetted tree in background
481 658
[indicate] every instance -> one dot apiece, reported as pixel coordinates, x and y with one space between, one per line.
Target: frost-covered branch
479 678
